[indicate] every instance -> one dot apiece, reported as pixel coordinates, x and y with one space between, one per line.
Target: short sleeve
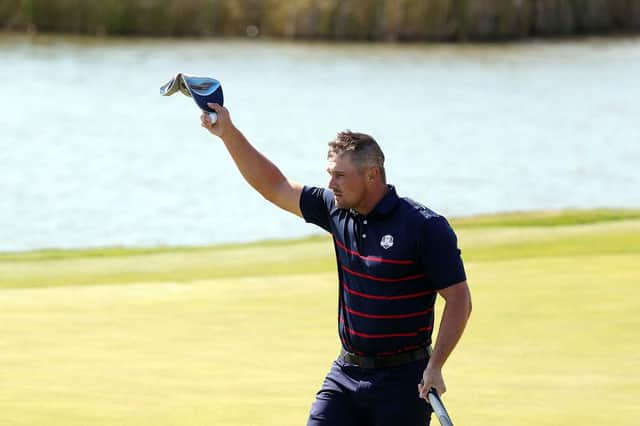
440 254
315 205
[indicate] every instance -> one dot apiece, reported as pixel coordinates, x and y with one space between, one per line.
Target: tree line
374 20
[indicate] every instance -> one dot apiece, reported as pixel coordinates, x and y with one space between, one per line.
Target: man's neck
377 194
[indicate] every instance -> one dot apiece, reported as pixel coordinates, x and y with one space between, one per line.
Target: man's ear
372 172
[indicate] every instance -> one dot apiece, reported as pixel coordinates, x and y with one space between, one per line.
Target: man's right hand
222 123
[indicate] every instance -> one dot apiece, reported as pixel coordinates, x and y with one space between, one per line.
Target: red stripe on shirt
385 336
411 315
373 258
400 297
384 280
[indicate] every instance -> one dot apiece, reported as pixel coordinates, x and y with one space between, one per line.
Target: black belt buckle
374 362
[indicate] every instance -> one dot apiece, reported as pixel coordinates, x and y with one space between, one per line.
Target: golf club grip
439 409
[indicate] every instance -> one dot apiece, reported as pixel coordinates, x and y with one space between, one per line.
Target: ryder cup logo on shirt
386 241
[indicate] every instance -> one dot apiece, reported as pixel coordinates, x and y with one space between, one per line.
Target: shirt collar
388 202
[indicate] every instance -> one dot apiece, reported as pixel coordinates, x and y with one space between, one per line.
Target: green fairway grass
244 334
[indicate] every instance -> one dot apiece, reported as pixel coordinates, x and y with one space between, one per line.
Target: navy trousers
353 396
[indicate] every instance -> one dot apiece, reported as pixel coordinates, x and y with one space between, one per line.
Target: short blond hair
363 149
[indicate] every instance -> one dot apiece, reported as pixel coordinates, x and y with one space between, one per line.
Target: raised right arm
257 170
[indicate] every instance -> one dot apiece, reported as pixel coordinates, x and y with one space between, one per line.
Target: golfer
393 256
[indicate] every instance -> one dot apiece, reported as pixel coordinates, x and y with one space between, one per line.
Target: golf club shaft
438 408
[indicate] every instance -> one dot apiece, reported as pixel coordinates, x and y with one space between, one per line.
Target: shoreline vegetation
348 20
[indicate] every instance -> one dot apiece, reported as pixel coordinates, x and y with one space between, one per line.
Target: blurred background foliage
389 20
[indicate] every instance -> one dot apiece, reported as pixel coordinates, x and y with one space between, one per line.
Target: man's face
346 181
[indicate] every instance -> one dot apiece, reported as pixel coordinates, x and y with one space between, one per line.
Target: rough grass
208 336
547 218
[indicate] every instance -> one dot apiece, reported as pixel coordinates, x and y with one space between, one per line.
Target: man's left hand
431 378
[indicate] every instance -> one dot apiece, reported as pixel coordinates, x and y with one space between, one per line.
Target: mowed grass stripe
491 244
540 219
312 255
239 261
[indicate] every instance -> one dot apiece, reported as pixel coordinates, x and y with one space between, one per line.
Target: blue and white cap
203 90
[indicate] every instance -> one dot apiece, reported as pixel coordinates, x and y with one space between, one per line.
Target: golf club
438 408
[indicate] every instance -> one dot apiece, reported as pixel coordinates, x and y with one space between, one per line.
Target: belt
373 362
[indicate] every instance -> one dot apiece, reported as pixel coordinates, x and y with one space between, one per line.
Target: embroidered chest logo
386 241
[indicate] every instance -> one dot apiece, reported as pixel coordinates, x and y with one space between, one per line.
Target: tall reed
326 19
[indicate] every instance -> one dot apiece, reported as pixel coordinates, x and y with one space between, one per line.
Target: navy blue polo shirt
391 263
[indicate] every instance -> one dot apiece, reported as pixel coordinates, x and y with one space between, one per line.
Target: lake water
91 155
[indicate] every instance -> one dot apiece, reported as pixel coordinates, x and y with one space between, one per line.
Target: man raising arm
256 169
394 256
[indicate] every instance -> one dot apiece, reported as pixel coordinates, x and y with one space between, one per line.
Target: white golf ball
213 117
